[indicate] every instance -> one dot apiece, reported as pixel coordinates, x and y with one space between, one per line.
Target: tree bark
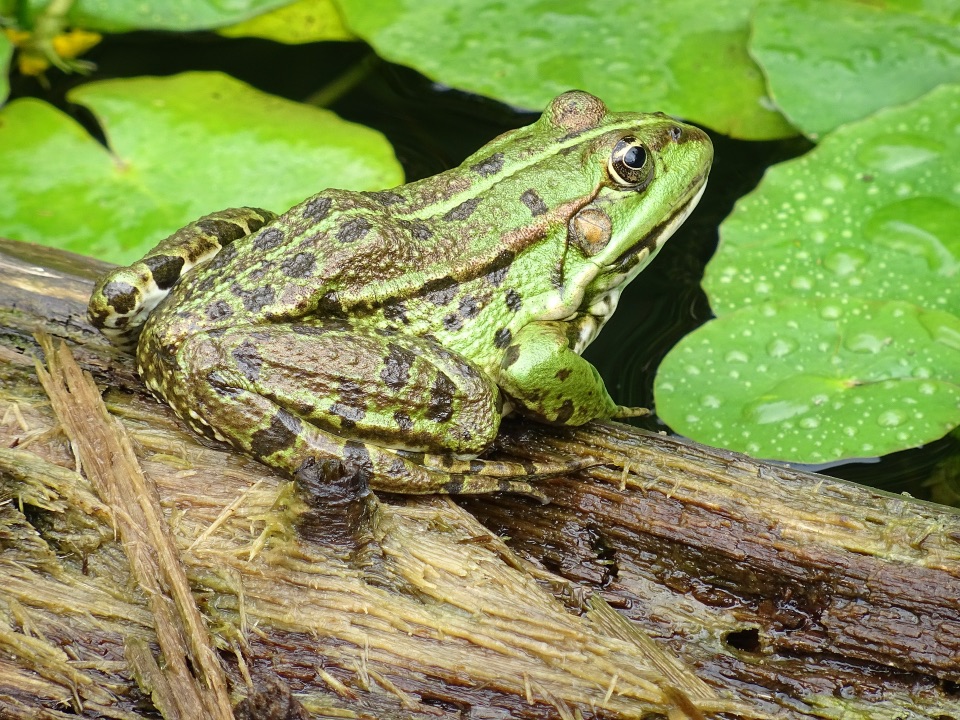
145 572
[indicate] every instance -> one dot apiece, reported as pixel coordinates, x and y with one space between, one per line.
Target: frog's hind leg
289 394
123 298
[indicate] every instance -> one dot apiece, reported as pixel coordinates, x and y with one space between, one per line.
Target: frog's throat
630 262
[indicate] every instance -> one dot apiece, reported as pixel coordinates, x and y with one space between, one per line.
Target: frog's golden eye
630 165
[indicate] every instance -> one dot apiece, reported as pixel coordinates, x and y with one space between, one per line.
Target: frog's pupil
635 157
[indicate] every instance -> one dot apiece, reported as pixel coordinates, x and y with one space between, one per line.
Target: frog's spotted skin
392 329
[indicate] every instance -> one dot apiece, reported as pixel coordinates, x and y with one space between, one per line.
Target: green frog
393 330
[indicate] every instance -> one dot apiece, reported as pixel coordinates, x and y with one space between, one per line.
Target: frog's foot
123 298
511 469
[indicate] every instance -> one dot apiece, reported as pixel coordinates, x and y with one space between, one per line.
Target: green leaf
124 15
872 212
816 380
301 22
830 62
179 147
6 54
685 57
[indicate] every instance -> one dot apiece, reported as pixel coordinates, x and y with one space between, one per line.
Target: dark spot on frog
214 236
534 202
477 466
439 291
100 313
353 230
452 322
219 310
511 355
396 312
206 284
356 458
632 255
268 239
496 277
165 269
529 467
121 296
469 307
303 408
455 485
121 321
221 386
281 434
502 338
299 266
489 166
317 208
418 229
562 374
348 414
568 137
565 412
223 258
255 220
513 299
350 406
248 360
463 210
396 367
385 197
403 420
556 276
257 273
440 407
254 300
397 469
497 270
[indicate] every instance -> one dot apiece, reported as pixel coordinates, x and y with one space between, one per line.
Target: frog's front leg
545 379
290 393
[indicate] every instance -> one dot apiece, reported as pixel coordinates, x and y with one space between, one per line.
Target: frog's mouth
634 259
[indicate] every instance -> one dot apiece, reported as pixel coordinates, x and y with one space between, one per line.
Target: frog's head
646 173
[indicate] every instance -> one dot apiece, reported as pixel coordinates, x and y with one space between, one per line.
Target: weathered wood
766 591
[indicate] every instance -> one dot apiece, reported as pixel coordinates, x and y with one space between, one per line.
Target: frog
392 330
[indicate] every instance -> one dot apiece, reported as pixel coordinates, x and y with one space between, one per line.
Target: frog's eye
630 165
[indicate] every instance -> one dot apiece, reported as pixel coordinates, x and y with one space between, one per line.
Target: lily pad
830 62
178 148
685 57
123 15
300 22
872 212
816 380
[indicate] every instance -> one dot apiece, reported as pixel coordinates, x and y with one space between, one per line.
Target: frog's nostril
676 132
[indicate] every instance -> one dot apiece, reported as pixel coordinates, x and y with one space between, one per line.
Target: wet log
147 573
